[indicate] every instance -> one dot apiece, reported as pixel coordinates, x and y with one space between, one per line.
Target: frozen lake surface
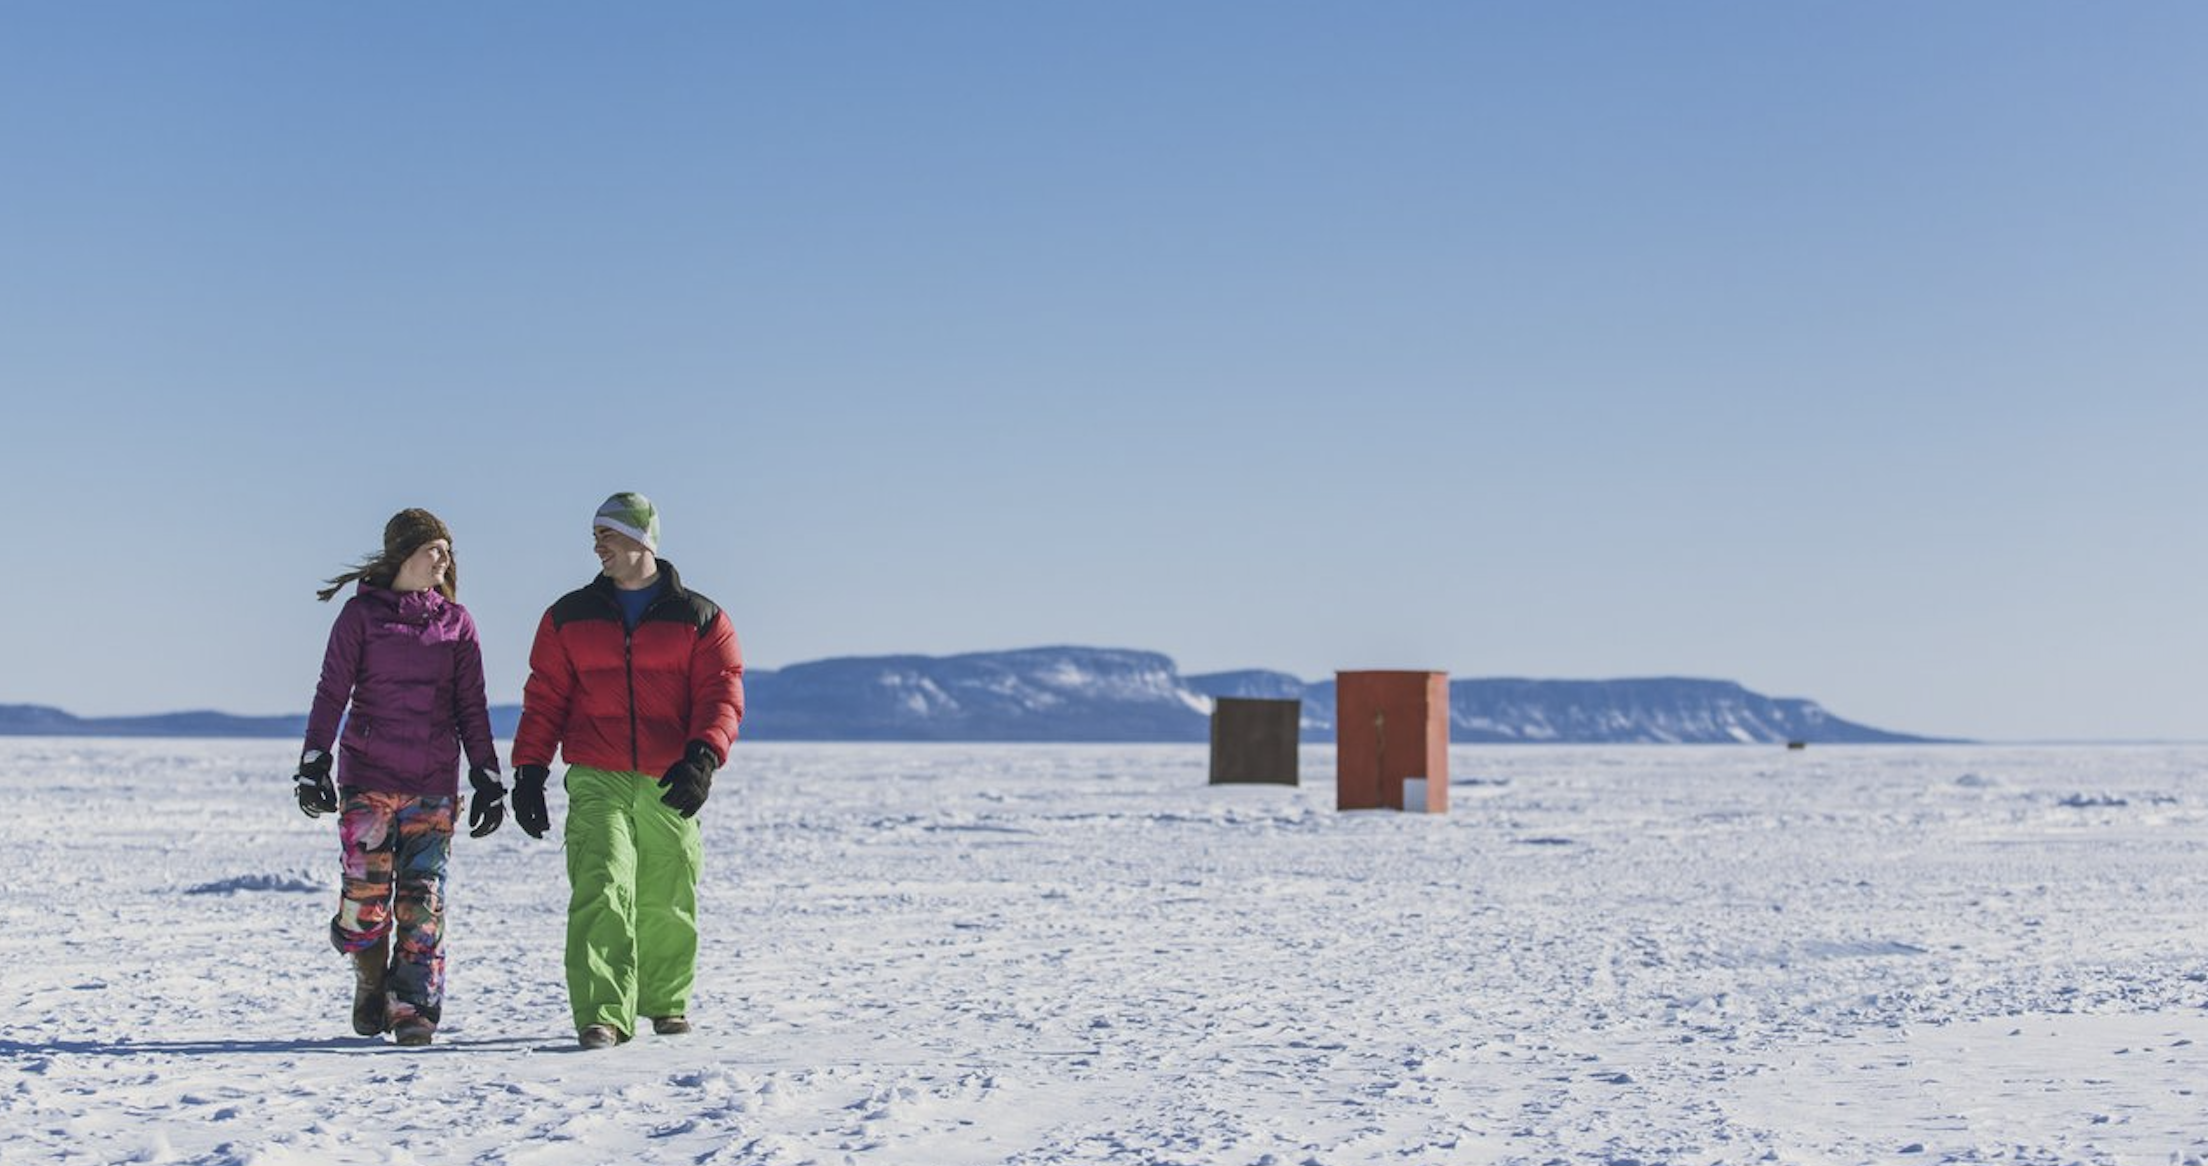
1083 954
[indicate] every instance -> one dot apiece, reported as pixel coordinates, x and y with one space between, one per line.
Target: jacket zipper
628 664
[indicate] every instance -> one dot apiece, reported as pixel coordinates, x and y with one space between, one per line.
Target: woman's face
425 568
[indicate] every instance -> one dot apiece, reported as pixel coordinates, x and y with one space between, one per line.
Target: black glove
688 781
529 811
317 796
487 809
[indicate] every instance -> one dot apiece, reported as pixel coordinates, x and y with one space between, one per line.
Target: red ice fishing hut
1391 733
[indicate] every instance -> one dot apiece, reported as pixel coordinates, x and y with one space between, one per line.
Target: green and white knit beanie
631 514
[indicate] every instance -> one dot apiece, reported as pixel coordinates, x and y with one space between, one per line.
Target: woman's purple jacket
411 667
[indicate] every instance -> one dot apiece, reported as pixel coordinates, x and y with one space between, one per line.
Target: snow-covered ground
1040 954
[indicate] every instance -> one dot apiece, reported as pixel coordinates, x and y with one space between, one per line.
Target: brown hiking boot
670 1025
414 1031
599 1036
370 965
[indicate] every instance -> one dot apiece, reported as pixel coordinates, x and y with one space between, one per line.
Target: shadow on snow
14 1050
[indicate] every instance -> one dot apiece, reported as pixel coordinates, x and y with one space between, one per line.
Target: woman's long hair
406 533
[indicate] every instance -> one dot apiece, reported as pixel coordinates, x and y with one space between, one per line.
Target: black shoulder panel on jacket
584 603
687 607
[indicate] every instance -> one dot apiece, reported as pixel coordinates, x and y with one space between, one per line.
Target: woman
404 655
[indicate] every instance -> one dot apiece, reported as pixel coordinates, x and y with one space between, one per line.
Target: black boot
370 966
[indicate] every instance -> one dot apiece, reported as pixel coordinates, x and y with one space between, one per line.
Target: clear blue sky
1849 350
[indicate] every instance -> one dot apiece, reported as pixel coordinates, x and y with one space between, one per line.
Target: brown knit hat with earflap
408 531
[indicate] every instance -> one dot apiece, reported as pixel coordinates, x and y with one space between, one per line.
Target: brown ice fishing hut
1391 728
1254 741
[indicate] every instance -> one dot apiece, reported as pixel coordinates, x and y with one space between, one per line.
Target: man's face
622 557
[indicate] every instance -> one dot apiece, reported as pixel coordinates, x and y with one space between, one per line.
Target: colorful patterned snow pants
395 848
632 909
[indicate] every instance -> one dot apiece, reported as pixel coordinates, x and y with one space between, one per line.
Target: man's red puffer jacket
610 698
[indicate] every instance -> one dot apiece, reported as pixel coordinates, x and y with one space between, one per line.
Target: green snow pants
632 908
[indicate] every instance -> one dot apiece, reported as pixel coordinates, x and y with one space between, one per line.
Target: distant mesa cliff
1104 694
1666 710
1101 694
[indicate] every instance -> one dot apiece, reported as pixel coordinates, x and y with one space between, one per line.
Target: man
638 683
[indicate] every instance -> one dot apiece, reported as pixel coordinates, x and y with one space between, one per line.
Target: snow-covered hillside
1037 694
1101 694
941 954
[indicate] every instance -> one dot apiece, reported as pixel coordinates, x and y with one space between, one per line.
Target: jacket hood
414 607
